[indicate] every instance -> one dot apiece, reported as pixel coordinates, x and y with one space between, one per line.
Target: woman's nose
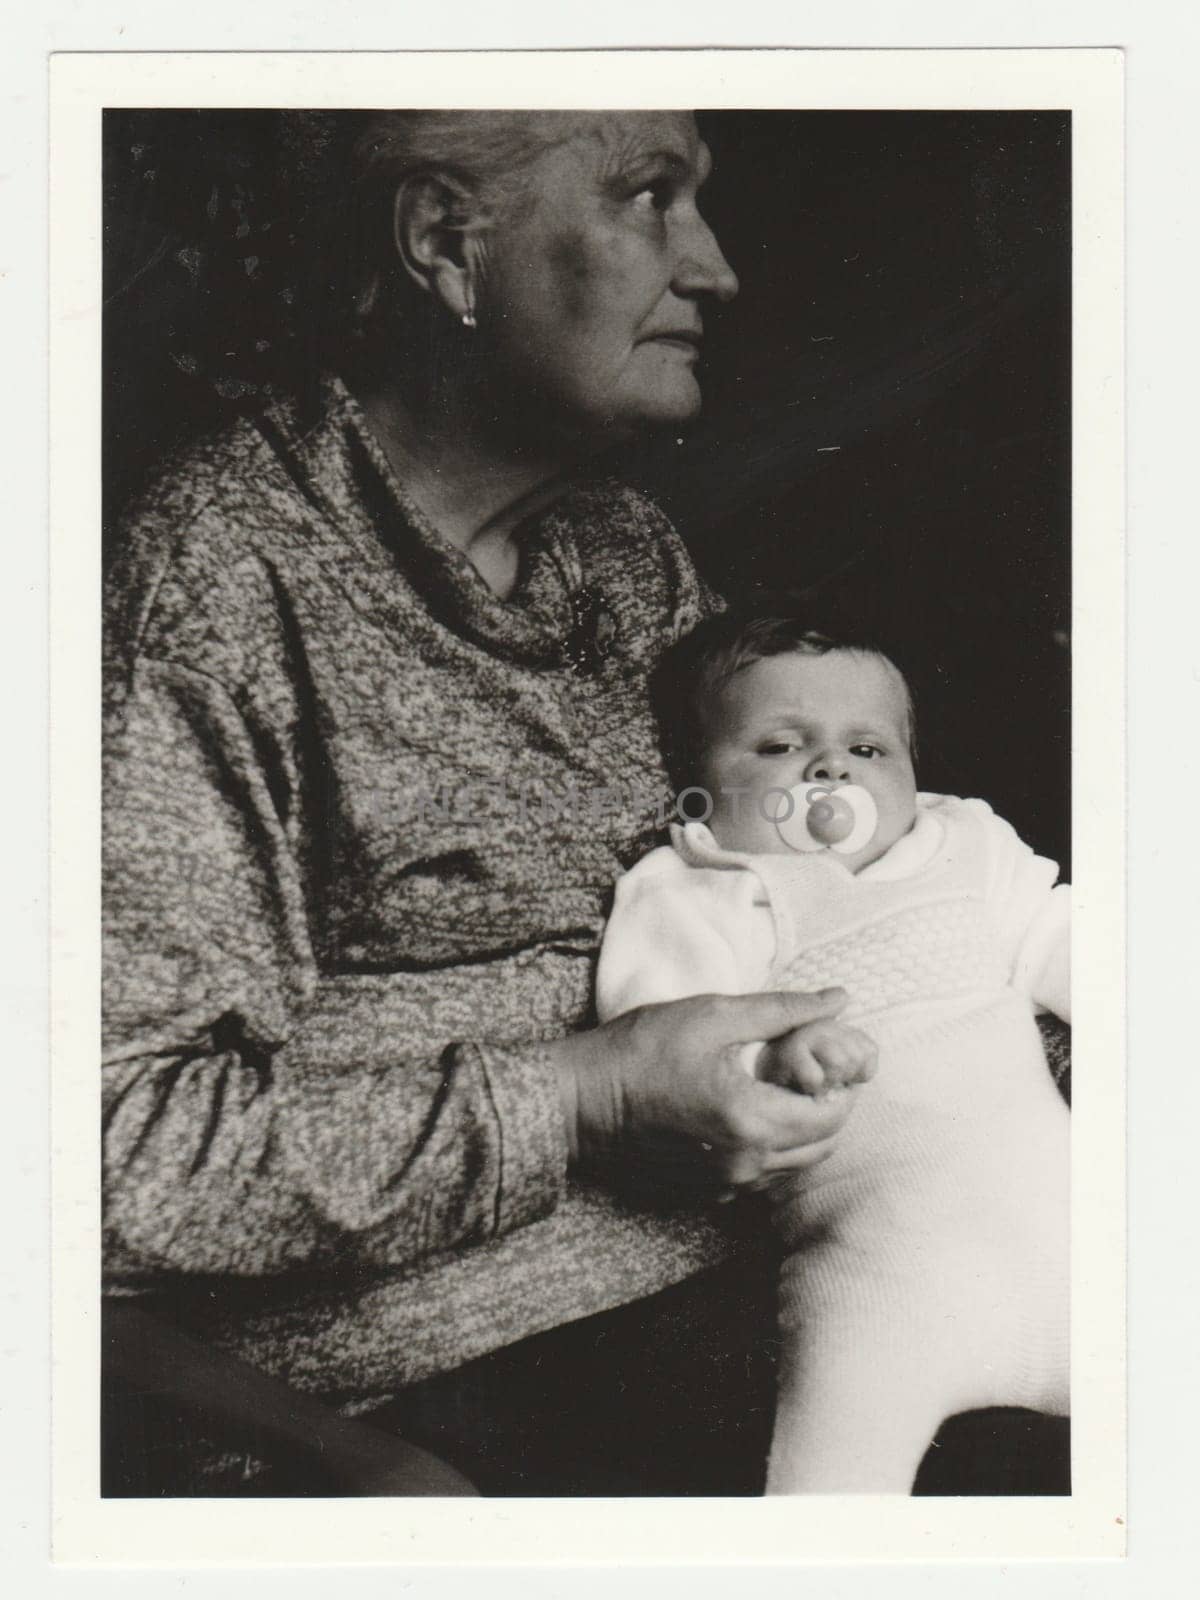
703 268
829 767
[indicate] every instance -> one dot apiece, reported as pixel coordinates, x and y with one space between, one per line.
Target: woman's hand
658 1095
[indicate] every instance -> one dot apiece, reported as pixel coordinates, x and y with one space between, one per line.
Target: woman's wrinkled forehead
613 140
627 134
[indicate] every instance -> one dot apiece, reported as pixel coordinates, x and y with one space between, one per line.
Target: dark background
887 402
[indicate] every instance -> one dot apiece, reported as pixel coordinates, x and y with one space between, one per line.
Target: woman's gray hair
481 157
486 152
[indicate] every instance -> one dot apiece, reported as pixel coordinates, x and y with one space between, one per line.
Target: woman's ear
435 223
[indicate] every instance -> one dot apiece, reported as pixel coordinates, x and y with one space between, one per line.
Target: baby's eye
867 751
777 747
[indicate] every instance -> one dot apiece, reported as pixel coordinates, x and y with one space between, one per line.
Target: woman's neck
473 489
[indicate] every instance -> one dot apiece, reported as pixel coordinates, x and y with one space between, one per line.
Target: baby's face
838 718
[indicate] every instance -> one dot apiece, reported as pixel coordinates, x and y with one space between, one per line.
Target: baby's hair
698 669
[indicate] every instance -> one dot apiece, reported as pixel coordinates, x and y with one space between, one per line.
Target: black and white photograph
586 858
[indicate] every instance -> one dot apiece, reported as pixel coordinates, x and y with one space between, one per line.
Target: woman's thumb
778 1011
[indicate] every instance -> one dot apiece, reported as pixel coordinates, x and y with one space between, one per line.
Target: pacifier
824 816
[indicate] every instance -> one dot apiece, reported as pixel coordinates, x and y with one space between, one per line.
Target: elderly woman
378 743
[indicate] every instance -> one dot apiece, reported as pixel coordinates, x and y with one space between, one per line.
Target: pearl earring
468 320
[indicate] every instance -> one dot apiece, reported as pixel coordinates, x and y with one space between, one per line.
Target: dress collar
698 846
341 466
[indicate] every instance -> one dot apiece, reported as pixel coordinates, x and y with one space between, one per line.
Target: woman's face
596 278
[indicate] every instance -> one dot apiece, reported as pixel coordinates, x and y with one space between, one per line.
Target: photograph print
586 809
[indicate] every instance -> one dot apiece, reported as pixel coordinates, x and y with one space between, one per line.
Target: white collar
696 843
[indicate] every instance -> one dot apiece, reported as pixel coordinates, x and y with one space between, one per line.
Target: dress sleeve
260 1117
678 931
1033 915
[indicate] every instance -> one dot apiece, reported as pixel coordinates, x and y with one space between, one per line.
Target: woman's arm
258 1116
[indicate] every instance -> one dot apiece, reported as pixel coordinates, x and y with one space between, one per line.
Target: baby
926 1260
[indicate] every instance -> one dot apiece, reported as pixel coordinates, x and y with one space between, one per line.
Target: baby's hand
818 1057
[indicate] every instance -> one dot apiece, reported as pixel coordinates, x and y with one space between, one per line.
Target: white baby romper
926 1268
